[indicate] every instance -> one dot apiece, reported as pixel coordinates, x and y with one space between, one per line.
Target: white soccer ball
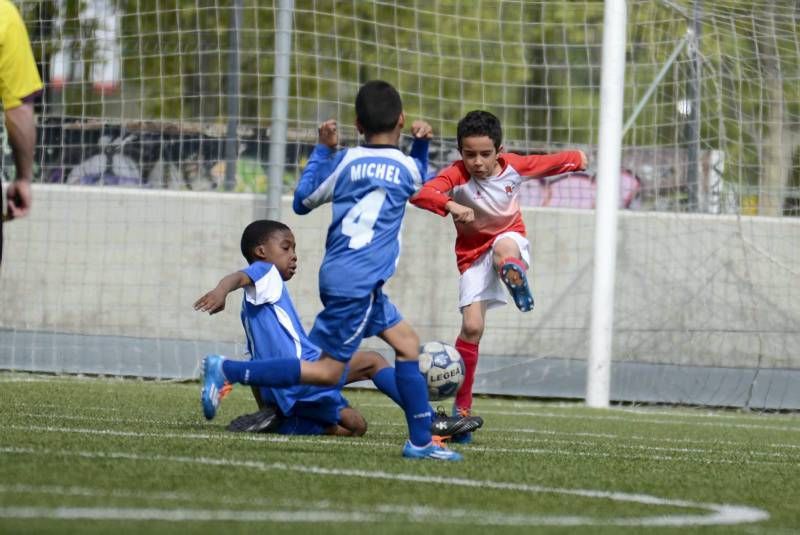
443 368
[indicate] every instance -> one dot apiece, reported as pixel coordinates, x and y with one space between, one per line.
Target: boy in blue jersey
369 186
274 332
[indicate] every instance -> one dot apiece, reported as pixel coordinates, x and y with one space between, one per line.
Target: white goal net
155 132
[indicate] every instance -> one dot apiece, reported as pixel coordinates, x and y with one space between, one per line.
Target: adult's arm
22 139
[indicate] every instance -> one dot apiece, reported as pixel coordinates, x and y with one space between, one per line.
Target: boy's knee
503 249
472 330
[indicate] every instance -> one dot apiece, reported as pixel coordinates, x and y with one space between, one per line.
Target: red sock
469 353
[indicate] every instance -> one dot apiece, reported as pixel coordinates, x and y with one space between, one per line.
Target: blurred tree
535 64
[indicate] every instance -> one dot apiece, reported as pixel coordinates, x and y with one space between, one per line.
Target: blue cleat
215 387
512 273
435 450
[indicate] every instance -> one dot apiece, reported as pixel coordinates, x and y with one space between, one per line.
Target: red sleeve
435 193
539 165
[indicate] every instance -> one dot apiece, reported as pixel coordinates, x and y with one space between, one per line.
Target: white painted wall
691 289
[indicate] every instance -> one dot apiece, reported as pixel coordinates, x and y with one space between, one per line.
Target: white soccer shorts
480 282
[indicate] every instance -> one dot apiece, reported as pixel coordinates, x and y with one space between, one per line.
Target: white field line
76 491
6 377
509 438
586 443
716 514
677 412
609 417
11 377
674 419
55 406
727 425
713 458
626 418
183 515
484 404
104 419
507 432
614 436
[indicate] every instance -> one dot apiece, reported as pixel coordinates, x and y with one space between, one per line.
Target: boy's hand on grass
460 213
329 133
421 130
212 302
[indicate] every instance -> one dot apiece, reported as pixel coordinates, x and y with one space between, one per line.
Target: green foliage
535 64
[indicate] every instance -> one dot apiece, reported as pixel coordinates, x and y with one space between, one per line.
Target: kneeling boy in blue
273 329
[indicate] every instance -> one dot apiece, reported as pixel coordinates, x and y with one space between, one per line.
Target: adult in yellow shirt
19 85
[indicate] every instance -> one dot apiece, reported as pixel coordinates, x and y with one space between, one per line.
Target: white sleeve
266 289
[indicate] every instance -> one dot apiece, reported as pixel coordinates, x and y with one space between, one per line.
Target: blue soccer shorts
314 417
345 321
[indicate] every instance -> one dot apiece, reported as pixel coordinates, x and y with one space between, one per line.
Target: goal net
154 153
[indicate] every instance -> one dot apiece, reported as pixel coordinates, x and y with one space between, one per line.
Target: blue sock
385 382
414 394
275 372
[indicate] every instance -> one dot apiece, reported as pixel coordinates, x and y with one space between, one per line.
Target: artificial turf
104 455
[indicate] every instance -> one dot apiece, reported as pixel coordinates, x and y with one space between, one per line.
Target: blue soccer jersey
369 187
274 331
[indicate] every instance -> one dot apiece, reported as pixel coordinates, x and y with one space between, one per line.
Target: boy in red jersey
481 192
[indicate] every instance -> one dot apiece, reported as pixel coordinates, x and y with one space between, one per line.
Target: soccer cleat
265 420
454 426
466 413
512 273
435 450
215 387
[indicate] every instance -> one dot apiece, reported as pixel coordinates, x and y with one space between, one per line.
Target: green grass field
87 455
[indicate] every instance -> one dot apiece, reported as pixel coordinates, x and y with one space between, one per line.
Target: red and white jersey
493 199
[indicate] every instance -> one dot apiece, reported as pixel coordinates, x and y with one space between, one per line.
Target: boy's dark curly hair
480 123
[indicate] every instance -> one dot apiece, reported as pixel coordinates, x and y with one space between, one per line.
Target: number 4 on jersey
360 219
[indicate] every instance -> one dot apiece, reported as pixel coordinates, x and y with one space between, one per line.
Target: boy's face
479 156
279 250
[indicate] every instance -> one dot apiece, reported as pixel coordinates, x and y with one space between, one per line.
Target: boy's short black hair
378 107
480 123
257 233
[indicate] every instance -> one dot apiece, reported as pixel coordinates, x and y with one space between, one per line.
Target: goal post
612 88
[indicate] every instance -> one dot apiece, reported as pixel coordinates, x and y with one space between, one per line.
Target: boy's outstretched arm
214 301
539 165
313 188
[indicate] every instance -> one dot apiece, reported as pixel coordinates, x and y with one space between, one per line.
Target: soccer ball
443 369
